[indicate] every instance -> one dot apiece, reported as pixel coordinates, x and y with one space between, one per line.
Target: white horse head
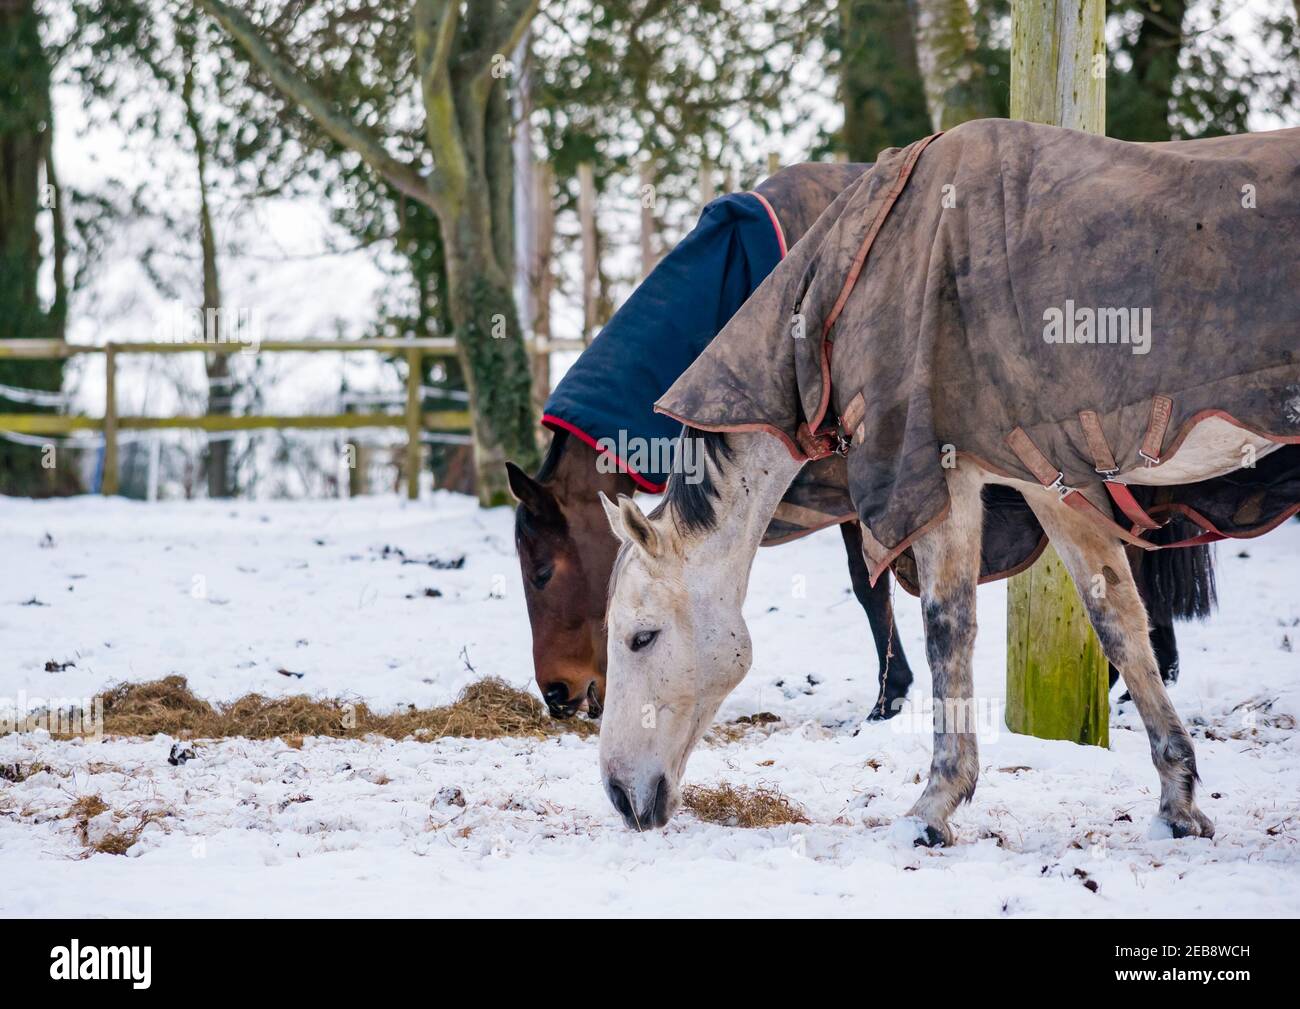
678 644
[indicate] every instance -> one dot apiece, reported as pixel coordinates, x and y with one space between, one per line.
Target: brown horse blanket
1058 307
797 196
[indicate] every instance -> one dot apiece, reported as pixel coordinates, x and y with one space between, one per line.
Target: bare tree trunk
590 256
708 188
467 129
649 225
542 278
26 128
945 48
220 389
529 227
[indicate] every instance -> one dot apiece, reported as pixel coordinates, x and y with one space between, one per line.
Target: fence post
1057 682
414 373
108 480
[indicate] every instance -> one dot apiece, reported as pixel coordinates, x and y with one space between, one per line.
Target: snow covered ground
228 594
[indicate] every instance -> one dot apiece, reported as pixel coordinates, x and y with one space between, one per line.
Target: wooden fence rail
413 419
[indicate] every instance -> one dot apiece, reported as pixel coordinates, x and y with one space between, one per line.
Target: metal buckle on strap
1060 486
1150 461
1106 474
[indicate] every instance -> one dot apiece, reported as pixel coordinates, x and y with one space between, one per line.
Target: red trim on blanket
796 453
1195 516
552 421
776 221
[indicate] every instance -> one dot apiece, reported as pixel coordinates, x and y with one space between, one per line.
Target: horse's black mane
528 525
690 496
553 454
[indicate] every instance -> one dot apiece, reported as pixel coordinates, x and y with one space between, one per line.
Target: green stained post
1057 680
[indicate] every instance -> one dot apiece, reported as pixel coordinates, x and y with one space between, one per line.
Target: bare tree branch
514 19
294 86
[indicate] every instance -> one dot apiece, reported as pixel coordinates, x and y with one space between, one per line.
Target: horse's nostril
556 694
619 797
656 813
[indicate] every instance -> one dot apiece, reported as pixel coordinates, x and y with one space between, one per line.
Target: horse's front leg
895 676
948 563
1105 583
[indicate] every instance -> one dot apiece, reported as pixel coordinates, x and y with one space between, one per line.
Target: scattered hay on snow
100 828
738 806
487 709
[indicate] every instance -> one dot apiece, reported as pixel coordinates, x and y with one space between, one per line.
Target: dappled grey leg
948 562
1105 582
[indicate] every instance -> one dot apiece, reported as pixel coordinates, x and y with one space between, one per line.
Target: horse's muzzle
643 812
561 705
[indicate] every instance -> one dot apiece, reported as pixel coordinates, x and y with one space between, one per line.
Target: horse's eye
642 639
542 576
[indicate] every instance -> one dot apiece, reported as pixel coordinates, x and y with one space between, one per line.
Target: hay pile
738 806
488 709
89 808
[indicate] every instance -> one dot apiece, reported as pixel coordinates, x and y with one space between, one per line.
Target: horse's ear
531 494
630 524
613 515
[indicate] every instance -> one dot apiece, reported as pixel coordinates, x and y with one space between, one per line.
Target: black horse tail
1177 584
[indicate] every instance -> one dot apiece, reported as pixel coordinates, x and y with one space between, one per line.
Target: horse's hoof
932 838
1192 823
886 707
912 831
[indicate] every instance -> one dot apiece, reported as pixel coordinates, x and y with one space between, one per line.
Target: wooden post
358 485
587 218
108 480
1058 63
1057 682
414 373
773 163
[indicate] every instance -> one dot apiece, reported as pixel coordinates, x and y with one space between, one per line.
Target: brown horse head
566 553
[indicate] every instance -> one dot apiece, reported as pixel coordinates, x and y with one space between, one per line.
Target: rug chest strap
1034 460
1162 409
1102 456
1054 479
1104 463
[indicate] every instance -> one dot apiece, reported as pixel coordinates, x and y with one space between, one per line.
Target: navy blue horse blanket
607 397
